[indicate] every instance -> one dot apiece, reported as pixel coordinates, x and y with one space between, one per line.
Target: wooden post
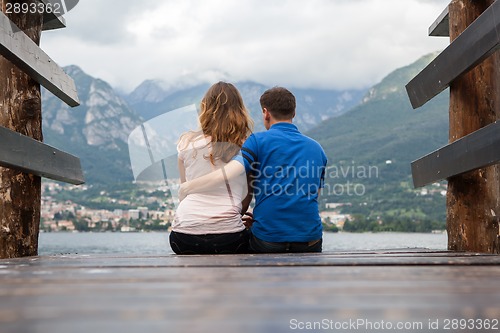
20 111
473 198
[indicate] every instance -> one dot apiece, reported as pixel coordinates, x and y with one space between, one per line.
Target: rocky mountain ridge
98 130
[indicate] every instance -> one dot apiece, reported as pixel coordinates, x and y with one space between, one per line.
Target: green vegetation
330 227
117 196
370 150
386 223
82 224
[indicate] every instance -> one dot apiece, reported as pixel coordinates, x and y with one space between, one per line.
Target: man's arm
216 178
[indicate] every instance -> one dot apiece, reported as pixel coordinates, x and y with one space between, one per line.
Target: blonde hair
225 119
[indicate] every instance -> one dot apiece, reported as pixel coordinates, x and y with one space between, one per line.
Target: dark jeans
259 246
209 244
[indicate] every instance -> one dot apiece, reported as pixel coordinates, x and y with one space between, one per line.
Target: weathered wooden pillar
473 198
20 110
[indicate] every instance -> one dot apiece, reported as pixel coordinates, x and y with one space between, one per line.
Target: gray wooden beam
441 27
31 156
53 20
476 150
19 49
474 45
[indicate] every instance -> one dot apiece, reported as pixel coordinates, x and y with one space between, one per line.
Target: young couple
223 165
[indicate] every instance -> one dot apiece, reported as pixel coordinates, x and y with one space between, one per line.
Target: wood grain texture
473 198
245 293
20 111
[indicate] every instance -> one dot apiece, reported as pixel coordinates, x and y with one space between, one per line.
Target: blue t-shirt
289 170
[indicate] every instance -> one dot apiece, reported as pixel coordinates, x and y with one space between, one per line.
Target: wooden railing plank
476 150
441 27
474 45
31 156
52 21
19 49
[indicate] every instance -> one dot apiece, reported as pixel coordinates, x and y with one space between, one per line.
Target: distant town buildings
69 216
151 210
332 215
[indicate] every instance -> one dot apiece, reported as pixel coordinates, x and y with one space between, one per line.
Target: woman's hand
247 219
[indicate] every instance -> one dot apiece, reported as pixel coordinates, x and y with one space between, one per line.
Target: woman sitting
211 222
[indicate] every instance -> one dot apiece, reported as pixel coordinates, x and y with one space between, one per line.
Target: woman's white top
214 212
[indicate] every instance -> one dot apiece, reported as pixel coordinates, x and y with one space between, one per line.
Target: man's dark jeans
259 246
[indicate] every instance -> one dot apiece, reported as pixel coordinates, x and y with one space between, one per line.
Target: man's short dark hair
280 102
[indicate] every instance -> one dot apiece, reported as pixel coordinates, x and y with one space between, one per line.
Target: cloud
102 22
317 43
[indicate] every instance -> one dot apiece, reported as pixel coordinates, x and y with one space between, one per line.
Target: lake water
156 243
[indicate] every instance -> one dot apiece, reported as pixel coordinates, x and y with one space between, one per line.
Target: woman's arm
248 199
182 170
247 216
216 178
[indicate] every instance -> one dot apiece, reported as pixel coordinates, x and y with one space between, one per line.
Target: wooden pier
336 291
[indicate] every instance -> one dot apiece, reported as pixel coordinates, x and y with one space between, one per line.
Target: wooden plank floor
359 291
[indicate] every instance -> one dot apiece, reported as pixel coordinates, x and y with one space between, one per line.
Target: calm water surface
153 243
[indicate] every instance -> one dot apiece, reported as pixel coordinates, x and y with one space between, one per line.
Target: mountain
153 98
370 137
96 131
384 126
373 145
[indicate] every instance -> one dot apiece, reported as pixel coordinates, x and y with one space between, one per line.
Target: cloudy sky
335 44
